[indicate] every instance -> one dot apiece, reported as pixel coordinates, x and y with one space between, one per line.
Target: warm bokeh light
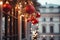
1 2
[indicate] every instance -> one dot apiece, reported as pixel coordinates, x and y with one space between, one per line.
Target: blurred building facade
49 25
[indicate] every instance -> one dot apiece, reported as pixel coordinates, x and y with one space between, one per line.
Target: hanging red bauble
35 21
6 7
29 9
38 15
30 18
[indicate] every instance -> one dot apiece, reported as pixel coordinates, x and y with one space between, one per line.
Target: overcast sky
49 2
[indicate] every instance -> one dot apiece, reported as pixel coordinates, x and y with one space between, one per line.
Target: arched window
43 29
44 19
43 39
51 39
59 37
51 29
51 19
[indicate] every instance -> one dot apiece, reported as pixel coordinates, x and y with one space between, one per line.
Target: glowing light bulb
25 3
22 15
1 2
43 35
51 35
7 2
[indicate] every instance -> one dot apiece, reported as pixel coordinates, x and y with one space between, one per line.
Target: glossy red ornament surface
38 15
29 9
28 19
6 7
35 21
31 18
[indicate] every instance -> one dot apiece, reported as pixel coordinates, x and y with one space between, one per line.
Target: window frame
44 19
44 39
51 29
51 38
43 29
51 19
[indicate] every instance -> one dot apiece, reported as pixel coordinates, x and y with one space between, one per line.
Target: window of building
59 37
43 29
44 19
51 19
51 8
59 28
43 39
51 29
59 8
51 39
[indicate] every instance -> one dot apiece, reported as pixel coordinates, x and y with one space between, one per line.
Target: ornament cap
7 2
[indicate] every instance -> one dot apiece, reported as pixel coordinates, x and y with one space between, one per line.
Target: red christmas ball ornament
28 19
29 9
35 21
6 7
31 18
38 15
